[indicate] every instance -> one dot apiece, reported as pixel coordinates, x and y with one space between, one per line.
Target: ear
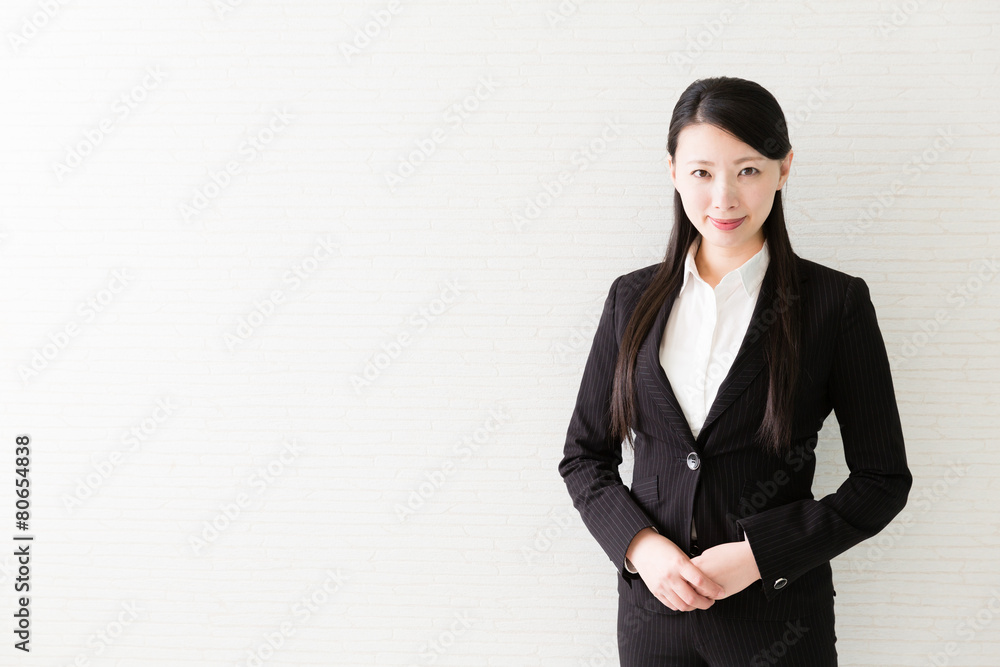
673 171
786 168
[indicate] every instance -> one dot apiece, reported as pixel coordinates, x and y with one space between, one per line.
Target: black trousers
700 638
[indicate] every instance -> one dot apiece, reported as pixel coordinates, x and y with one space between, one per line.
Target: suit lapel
748 363
656 379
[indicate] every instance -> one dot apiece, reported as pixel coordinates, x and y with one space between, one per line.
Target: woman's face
717 183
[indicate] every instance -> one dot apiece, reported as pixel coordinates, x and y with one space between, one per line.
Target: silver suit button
780 583
693 461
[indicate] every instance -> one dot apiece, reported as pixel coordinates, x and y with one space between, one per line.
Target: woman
718 366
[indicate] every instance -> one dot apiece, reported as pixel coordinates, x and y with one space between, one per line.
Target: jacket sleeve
591 455
789 540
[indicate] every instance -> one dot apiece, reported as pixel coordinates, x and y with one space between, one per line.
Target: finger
674 602
702 582
691 598
670 598
667 602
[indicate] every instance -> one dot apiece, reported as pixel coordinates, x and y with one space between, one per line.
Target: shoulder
809 270
636 281
830 286
821 286
629 287
821 274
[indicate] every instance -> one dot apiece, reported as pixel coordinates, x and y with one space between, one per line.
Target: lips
727 225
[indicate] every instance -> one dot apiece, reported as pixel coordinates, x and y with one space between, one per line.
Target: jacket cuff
629 567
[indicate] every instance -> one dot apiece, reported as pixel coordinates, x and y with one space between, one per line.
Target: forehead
701 141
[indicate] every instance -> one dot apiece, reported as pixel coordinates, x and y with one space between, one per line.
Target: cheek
696 200
761 201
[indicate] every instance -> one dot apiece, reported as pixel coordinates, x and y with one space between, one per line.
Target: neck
714 262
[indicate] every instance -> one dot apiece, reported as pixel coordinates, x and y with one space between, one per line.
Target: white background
163 354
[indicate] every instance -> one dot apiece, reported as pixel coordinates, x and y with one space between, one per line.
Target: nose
724 196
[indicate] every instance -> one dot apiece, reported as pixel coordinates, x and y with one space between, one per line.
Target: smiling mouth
726 222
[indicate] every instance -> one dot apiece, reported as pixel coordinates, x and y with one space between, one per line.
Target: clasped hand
685 584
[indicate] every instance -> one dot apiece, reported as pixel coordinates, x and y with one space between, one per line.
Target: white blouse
705 330
703 334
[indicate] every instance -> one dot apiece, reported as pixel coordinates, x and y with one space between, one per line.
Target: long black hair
750 113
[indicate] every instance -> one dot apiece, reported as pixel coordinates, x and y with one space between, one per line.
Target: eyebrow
740 161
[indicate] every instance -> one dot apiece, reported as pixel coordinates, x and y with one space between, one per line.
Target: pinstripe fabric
704 330
702 639
738 489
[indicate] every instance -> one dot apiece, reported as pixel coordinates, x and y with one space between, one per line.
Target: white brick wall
257 219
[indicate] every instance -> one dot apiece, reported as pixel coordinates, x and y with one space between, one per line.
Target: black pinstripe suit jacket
738 488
